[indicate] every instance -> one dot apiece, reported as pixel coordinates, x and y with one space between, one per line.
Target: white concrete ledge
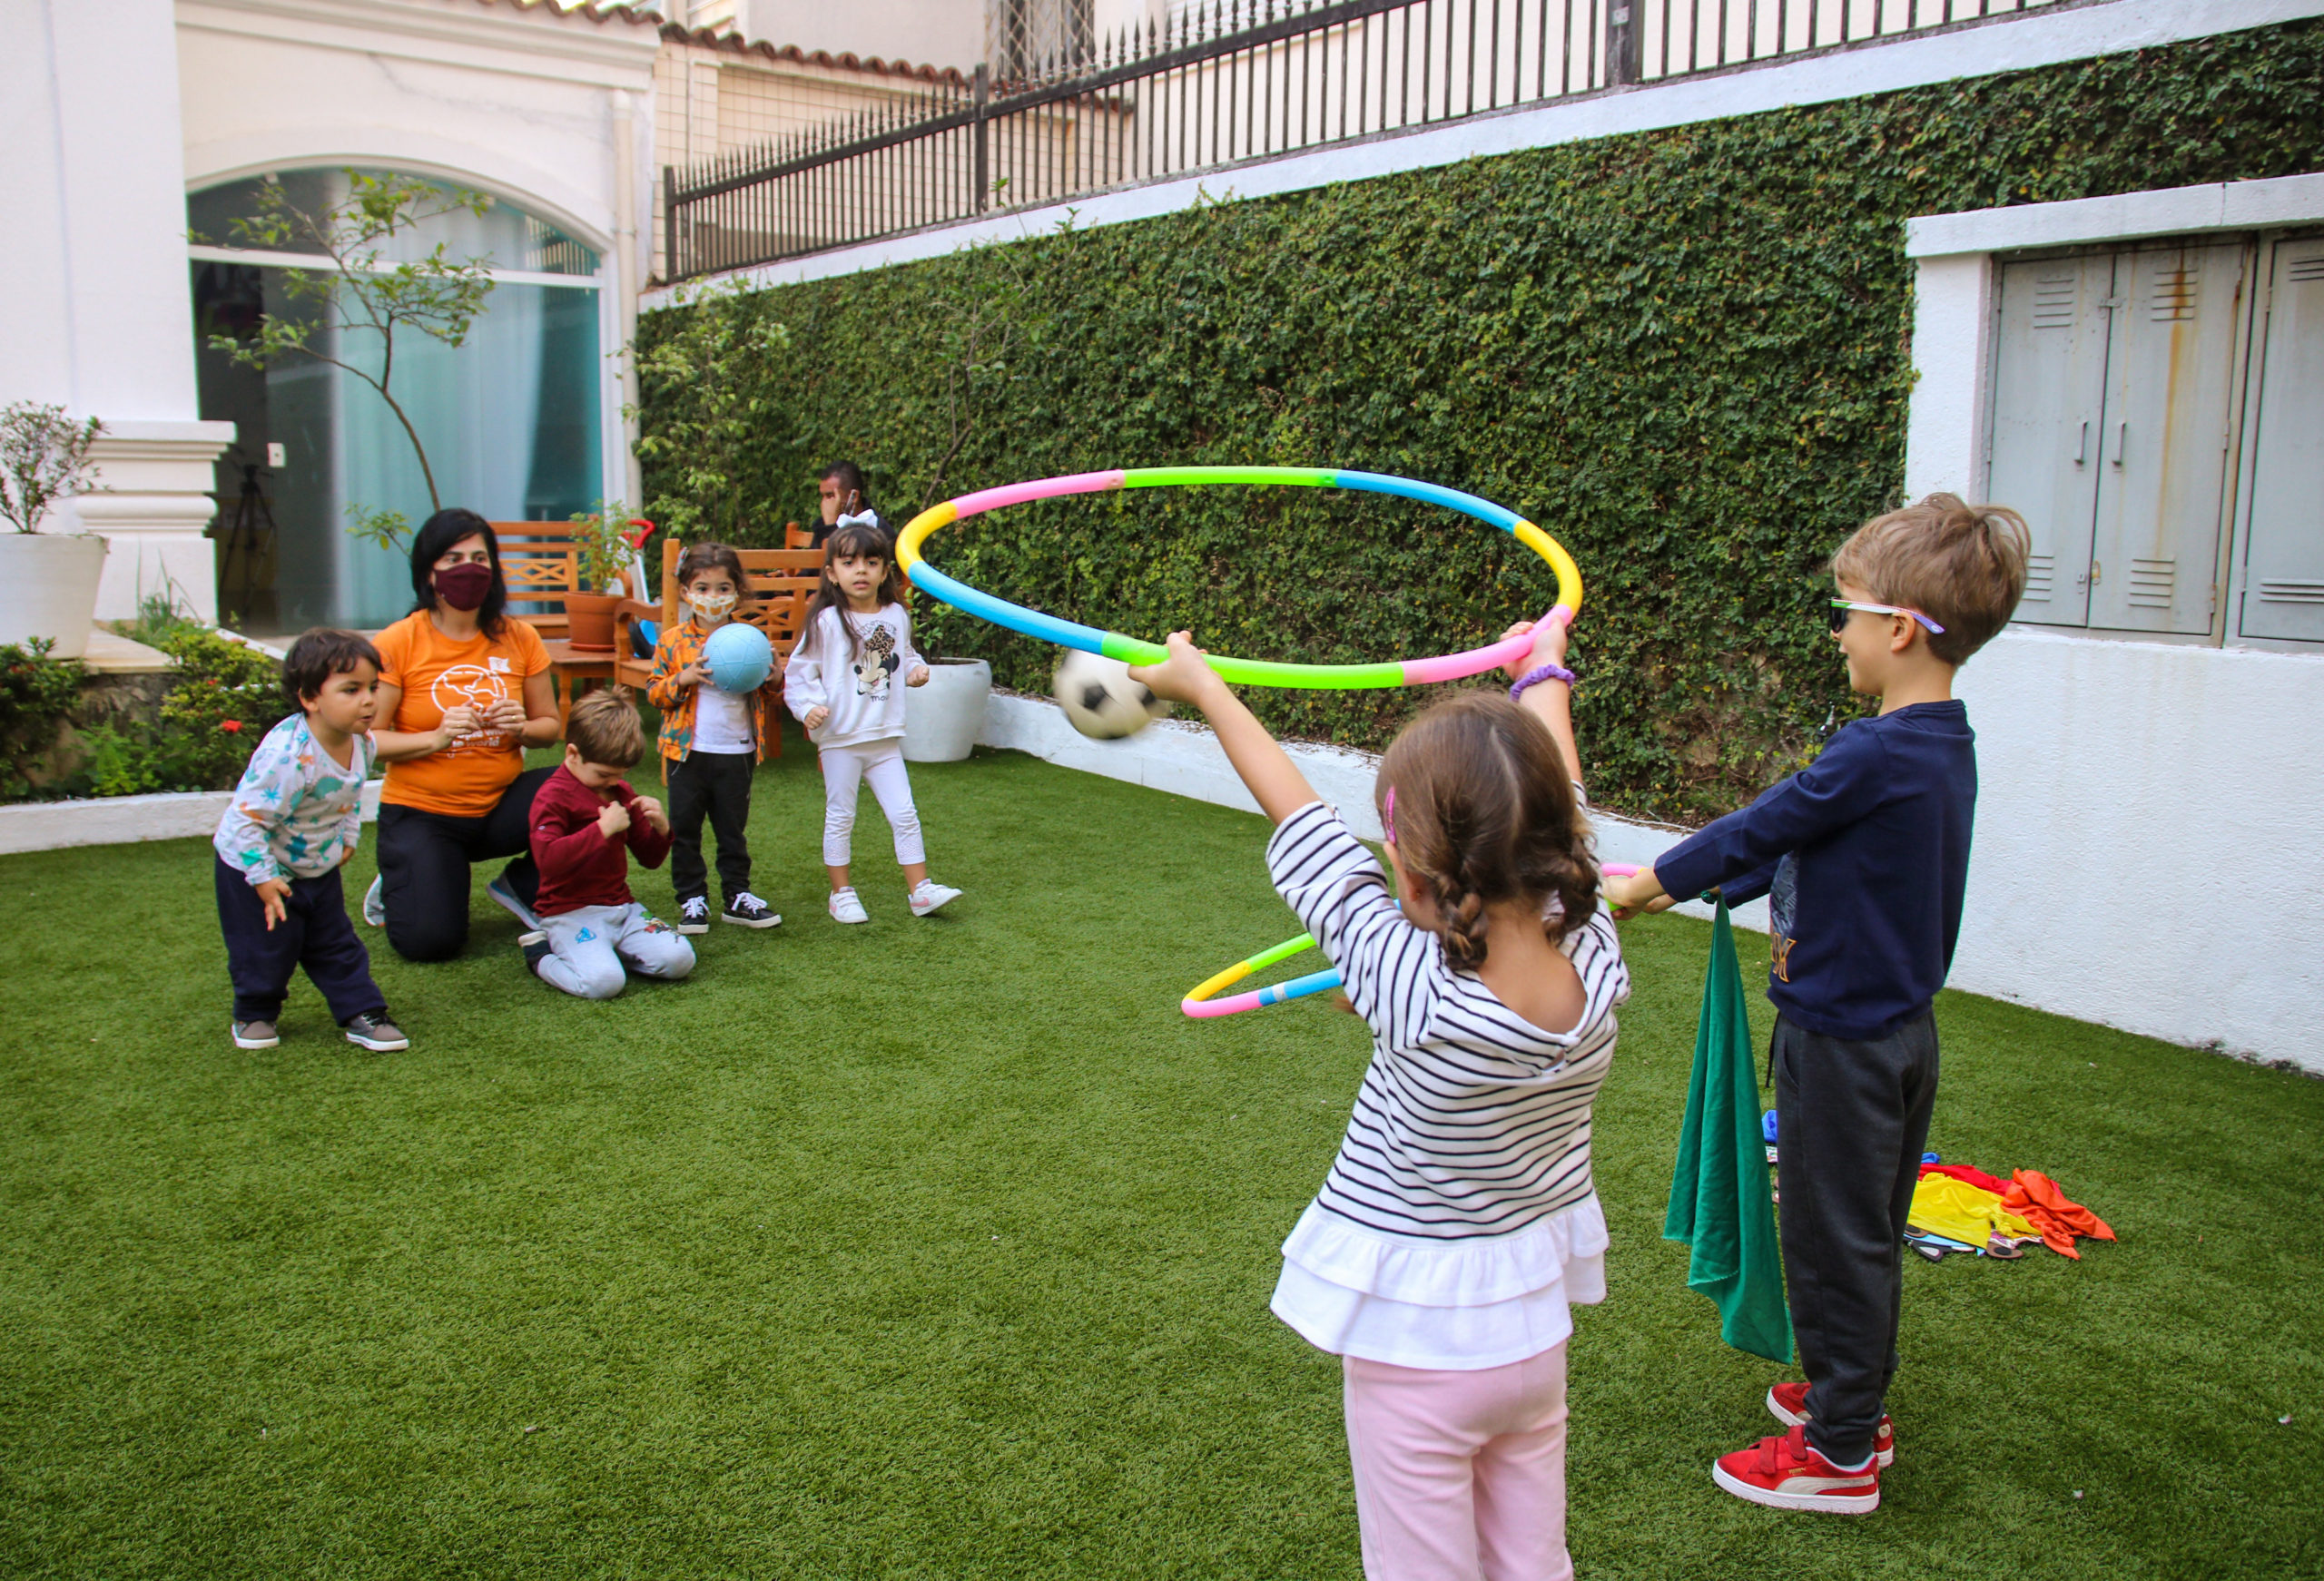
47 826
2121 217
1185 759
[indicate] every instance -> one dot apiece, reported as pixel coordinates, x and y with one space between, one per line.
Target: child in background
710 741
841 684
293 824
586 823
1863 855
1460 1219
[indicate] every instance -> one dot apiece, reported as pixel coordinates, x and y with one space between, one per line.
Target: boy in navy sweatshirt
1862 856
586 823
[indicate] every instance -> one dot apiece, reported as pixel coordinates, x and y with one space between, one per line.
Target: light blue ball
739 657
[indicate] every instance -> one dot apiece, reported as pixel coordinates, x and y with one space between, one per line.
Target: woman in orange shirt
463 689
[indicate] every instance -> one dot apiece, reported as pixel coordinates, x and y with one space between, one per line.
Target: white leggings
845 770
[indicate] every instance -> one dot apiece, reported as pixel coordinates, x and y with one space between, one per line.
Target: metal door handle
2121 437
2081 450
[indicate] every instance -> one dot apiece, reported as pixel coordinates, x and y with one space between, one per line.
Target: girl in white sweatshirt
843 683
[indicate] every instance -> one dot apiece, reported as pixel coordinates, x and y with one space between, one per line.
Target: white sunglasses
1848 604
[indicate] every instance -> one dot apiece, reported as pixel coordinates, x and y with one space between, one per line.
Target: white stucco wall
95 317
519 104
2150 819
2150 848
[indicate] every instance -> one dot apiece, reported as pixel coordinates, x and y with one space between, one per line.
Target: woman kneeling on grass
1458 1219
463 689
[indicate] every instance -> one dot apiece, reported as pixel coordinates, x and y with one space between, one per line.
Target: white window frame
1956 298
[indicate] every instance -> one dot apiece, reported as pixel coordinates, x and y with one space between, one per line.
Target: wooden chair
778 587
540 564
795 536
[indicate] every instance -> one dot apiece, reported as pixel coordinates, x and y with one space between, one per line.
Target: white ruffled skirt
1458 1306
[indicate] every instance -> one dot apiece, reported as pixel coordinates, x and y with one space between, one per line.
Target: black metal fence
1231 81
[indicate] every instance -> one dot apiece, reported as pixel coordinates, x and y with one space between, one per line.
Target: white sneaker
375 905
693 914
932 896
847 908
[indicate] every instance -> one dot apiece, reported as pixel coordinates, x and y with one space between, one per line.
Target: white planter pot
942 717
48 588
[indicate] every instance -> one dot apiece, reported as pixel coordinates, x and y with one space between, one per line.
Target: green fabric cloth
1720 1202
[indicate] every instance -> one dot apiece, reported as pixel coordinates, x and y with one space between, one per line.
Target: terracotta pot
941 719
589 619
48 588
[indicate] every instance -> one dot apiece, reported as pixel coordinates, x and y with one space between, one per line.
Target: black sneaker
535 947
746 910
693 914
376 1033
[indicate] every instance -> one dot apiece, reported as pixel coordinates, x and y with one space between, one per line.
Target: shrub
36 698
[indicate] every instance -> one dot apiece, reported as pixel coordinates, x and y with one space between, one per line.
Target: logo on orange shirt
470 686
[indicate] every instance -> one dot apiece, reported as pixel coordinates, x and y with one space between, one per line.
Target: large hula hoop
1067 633
1199 1004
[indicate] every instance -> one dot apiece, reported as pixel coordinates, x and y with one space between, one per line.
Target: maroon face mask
464 585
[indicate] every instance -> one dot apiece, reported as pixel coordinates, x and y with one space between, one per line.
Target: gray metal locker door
2283 574
2049 388
2169 387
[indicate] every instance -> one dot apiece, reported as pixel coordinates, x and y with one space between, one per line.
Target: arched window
513 421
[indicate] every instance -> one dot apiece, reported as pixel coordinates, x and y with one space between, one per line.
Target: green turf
942 1249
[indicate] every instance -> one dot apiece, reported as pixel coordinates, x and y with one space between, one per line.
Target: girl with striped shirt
1459 1220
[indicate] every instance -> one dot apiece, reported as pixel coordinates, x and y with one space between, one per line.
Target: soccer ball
1099 698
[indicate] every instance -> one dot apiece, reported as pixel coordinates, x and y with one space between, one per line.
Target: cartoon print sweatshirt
860 678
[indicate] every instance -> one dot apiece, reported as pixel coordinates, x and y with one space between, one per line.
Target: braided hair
1477 800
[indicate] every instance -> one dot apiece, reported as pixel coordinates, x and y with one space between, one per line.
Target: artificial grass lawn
942 1248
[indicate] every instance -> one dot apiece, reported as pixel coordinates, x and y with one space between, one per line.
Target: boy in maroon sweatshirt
586 822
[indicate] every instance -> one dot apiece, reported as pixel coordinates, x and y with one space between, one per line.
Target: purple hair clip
1388 814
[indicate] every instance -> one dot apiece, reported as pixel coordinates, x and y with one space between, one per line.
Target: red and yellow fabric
2056 1220
1958 1210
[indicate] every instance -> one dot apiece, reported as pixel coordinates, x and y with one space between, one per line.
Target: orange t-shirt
466 778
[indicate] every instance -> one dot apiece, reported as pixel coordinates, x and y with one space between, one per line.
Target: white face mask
716 605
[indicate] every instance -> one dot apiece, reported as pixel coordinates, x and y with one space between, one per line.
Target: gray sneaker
376 1033
505 896
255 1034
375 904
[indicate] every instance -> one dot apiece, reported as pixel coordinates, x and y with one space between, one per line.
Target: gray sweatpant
591 944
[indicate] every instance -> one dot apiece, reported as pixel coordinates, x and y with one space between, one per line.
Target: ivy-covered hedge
1684 352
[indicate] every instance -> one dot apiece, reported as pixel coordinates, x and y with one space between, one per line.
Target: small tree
43 458
436 295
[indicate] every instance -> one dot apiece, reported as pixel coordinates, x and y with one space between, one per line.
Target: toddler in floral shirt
294 822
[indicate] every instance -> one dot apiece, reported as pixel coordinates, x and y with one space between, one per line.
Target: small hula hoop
1199 1004
1049 628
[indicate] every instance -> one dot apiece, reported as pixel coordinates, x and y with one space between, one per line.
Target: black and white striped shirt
1471 1122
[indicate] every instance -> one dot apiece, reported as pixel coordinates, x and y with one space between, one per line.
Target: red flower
231 726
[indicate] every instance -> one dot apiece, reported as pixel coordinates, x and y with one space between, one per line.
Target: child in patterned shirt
293 824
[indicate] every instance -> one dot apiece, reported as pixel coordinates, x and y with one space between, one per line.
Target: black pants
717 784
1851 1119
314 933
424 861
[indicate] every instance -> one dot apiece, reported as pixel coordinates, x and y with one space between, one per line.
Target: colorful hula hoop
1199 1001
1243 671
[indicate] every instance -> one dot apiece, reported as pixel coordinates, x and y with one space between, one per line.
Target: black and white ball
1100 698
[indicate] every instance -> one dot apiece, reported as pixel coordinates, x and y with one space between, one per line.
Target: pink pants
1459 1476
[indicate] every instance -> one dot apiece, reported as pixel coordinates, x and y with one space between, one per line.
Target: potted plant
605 541
48 581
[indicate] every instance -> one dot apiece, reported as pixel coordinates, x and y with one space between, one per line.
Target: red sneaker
1787 1403
1786 1473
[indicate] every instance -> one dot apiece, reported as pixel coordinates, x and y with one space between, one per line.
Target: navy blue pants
314 933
